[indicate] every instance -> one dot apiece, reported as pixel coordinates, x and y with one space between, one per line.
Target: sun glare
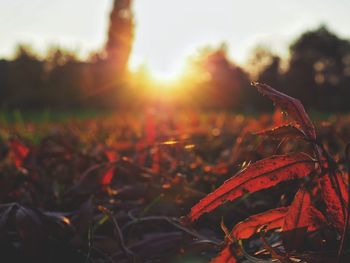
166 76
162 78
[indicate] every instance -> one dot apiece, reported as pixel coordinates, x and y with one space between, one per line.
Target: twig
279 146
119 234
89 244
271 250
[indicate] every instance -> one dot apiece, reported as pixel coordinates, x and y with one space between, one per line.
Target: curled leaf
281 132
260 175
272 219
292 106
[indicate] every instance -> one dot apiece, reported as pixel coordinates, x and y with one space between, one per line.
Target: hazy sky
167 31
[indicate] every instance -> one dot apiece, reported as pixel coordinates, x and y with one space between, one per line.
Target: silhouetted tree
318 73
109 69
223 82
120 35
25 80
5 91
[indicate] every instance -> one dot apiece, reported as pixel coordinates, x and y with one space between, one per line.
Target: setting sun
167 31
165 76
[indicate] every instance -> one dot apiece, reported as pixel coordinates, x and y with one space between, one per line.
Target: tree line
317 72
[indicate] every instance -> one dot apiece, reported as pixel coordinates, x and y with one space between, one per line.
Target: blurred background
127 55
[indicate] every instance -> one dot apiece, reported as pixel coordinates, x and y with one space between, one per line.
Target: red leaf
292 106
108 176
317 219
156 158
301 217
277 117
150 127
335 210
343 186
273 218
302 213
111 155
297 215
141 153
281 132
19 152
260 175
225 256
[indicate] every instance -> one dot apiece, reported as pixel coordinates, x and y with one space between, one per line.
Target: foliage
113 189
223 84
120 36
322 182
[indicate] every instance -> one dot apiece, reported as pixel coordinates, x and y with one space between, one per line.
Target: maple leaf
260 175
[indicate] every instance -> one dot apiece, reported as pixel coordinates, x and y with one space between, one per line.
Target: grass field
96 187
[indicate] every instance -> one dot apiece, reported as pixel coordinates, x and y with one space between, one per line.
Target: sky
169 31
